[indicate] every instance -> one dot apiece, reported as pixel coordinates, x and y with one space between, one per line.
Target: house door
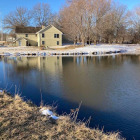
26 43
19 42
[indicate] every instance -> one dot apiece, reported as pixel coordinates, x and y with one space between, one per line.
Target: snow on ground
123 48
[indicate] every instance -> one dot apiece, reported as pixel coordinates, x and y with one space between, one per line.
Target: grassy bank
22 120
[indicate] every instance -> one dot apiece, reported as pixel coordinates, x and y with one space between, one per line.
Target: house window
43 42
43 35
56 35
19 42
26 35
57 42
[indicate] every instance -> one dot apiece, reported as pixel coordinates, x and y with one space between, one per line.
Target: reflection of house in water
49 64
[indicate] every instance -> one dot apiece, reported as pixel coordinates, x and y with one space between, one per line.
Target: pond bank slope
22 120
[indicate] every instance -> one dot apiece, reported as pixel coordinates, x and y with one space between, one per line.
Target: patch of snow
46 112
54 117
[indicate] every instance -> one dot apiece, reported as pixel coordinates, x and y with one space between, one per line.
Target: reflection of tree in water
103 61
54 66
134 58
90 76
96 60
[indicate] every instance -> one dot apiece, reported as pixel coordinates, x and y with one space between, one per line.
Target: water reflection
50 64
107 85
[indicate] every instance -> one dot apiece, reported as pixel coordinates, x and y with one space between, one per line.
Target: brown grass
21 120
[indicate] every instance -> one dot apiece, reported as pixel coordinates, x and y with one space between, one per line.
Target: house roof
20 38
32 29
47 27
27 29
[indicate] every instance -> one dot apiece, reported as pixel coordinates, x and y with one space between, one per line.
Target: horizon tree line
91 21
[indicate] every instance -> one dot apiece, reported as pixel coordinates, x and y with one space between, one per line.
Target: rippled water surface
108 86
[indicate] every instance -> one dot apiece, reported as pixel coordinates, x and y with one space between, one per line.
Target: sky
9 5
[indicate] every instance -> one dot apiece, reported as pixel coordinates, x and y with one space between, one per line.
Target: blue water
108 86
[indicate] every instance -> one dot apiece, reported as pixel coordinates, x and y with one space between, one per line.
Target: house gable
21 39
46 36
49 28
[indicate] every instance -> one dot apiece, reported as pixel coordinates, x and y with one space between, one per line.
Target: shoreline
22 120
80 51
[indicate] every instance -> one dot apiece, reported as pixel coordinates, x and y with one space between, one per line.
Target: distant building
37 36
10 39
2 43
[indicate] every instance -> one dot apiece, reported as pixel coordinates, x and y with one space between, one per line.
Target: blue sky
8 5
130 3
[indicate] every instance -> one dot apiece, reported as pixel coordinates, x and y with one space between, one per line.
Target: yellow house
36 36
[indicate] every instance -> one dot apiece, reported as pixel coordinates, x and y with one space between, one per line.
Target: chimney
43 26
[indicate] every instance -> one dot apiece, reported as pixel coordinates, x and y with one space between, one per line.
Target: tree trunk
123 40
83 41
89 42
95 42
74 43
107 41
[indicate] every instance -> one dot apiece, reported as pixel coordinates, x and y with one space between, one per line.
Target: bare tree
115 24
20 17
67 25
85 18
73 20
42 14
100 8
134 27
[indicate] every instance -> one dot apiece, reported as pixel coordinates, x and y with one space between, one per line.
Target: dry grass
21 120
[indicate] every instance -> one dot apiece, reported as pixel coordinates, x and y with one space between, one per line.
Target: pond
108 86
